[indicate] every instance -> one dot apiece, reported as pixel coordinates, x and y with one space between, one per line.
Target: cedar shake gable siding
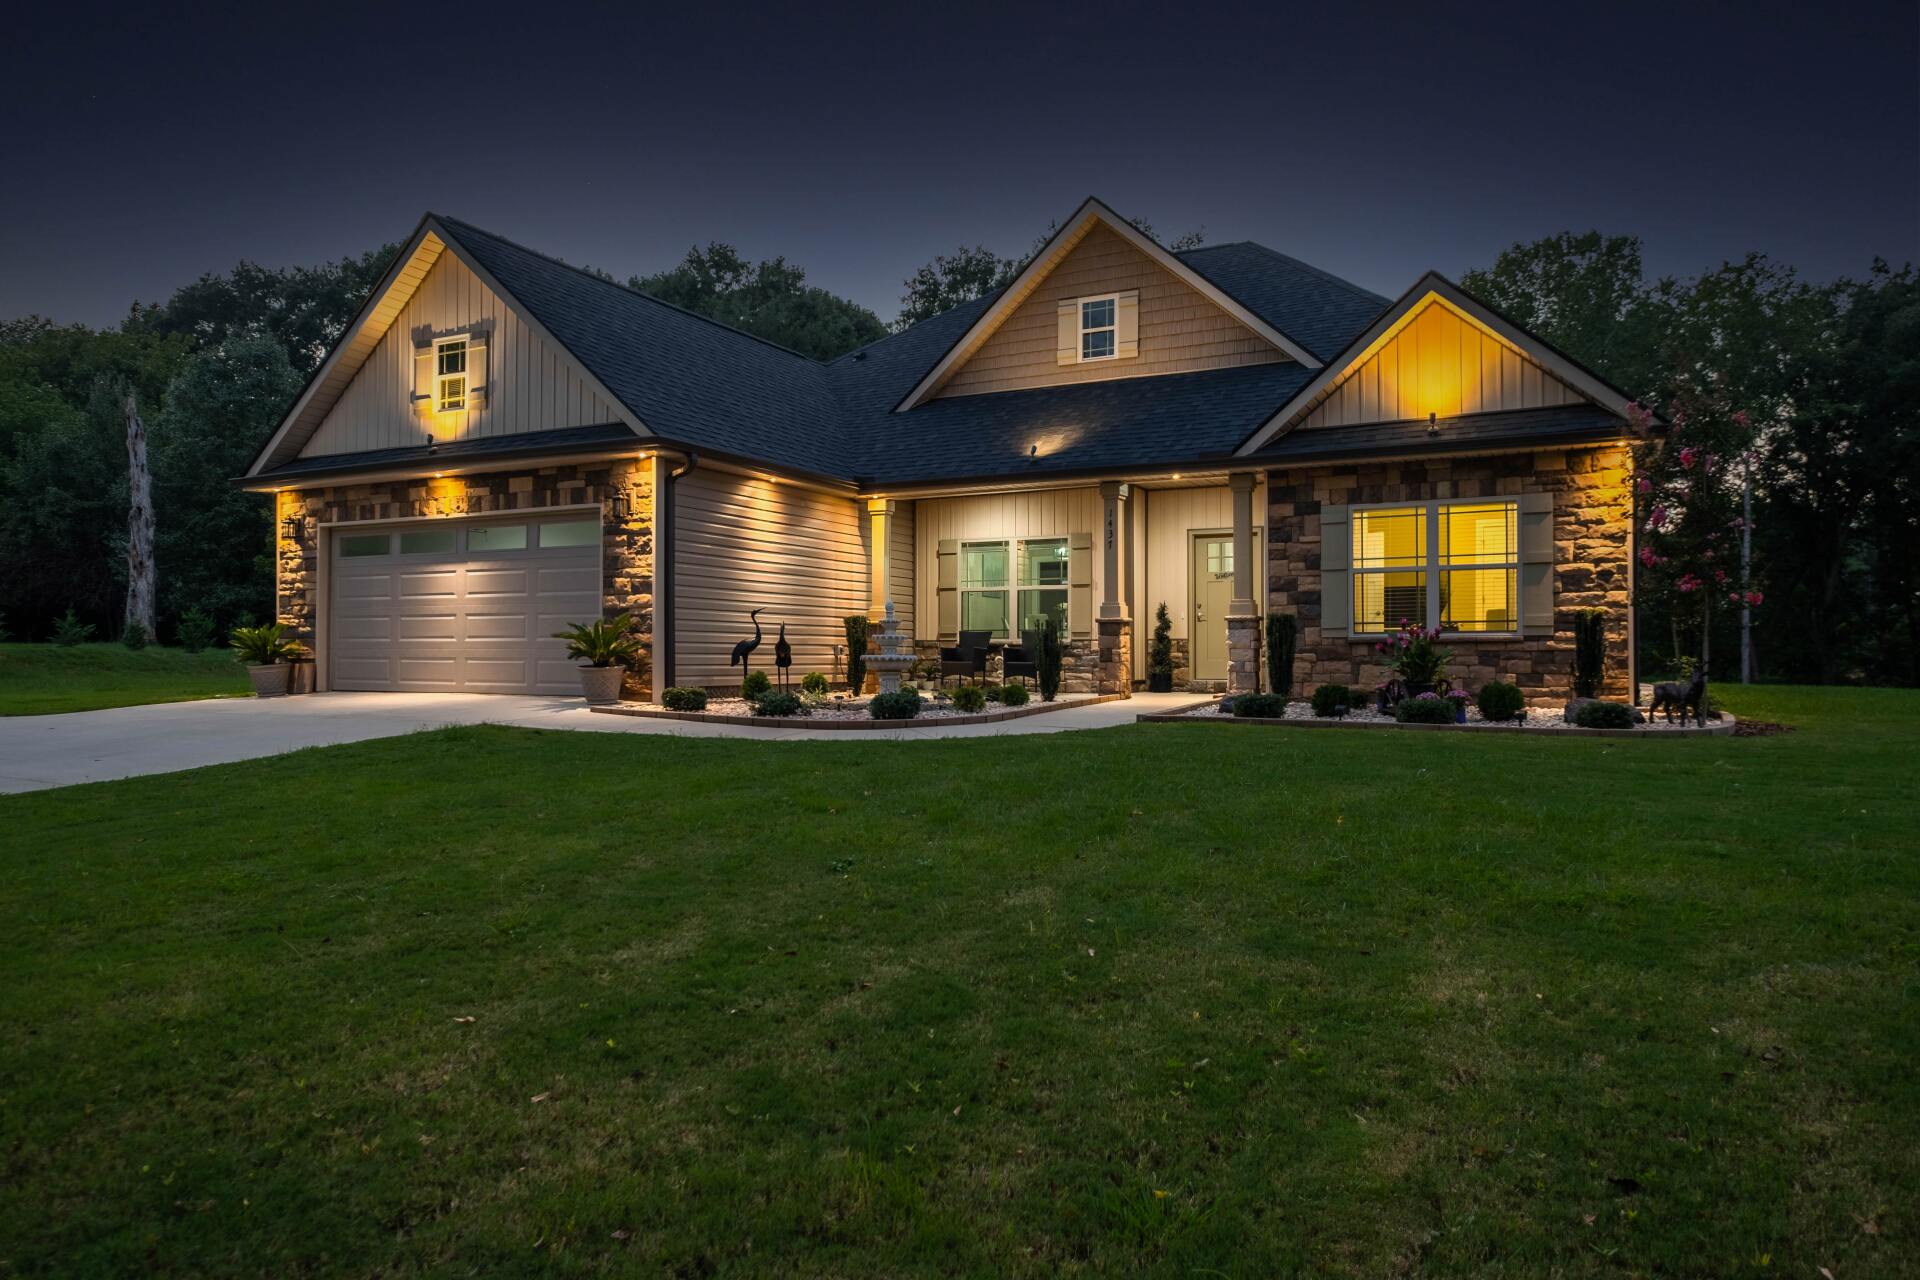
1180 331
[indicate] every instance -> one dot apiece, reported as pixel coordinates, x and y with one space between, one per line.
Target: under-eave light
1433 423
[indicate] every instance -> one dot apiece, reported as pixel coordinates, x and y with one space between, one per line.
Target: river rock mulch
1538 718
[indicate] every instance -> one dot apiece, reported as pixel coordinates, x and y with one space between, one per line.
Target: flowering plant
1415 654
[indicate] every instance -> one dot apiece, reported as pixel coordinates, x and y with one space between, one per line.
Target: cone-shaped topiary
1589 652
1048 660
1160 653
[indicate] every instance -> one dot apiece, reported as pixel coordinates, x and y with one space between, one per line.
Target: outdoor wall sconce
1433 423
290 528
619 507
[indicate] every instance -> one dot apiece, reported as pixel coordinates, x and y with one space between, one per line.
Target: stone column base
1243 653
1114 671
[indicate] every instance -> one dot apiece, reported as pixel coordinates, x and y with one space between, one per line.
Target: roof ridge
901 333
627 290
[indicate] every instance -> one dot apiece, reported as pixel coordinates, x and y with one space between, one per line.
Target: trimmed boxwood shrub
1428 708
1329 696
1604 715
903 704
778 702
813 682
1260 706
1014 695
756 683
969 698
1499 700
684 698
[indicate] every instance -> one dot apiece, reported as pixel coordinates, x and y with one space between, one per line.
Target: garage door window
365 544
572 533
426 542
503 537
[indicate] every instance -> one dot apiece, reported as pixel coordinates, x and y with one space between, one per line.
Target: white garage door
461 606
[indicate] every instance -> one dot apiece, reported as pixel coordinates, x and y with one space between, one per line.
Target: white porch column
1243 612
879 562
1114 671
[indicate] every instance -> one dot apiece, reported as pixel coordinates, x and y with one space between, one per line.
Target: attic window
1099 338
450 374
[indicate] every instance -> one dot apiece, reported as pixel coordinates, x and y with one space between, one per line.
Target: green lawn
36 679
1166 1000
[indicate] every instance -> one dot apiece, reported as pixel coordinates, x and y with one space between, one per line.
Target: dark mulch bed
1744 728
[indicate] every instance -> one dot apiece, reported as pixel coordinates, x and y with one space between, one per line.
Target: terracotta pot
270 681
601 684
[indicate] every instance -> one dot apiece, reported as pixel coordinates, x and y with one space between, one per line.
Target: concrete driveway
125 742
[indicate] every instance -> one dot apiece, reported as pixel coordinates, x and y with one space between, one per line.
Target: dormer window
1099 333
450 374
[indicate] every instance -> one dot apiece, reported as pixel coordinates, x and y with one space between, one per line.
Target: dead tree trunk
139 523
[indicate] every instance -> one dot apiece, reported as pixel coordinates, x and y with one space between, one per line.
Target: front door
1212 578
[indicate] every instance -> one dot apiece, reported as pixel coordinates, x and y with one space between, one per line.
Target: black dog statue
1691 699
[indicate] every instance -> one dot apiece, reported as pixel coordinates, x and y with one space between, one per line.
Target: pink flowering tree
1689 514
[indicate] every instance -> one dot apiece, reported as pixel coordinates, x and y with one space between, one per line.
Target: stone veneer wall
626 548
1592 536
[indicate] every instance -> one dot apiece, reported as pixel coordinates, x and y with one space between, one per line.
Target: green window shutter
1336 587
1536 564
947 582
1080 584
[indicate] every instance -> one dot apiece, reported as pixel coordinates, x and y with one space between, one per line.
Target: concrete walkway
125 742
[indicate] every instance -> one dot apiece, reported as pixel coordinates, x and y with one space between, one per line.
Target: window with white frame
450 374
1454 566
1011 587
1099 327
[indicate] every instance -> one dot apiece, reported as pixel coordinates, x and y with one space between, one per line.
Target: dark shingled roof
479 448
699 383
1563 425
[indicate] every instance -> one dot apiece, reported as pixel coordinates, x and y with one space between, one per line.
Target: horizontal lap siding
900 566
531 385
740 544
1180 330
1040 513
1439 362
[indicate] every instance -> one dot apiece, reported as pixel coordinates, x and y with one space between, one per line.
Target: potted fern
267 653
604 648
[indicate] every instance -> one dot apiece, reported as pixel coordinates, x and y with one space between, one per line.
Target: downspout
663 565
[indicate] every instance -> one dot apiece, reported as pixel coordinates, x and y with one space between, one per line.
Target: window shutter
1068 316
423 379
476 370
1336 587
947 587
1536 564
1126 325
1080 584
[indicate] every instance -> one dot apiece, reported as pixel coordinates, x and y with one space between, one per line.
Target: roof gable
373 330
1437 351
1091 214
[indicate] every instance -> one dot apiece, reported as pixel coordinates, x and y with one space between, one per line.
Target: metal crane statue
782 655
744 650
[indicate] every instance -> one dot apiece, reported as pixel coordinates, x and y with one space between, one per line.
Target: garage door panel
454 622
431 582
496 582
428 626
498 626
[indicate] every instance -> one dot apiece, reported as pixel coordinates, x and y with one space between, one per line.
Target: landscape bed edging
804 722
1721 728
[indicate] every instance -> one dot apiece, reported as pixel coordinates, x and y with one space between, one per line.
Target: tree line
1795 400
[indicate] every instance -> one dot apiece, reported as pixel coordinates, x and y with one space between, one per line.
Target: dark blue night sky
146 145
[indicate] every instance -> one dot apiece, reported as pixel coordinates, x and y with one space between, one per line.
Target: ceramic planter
270 681
601 684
